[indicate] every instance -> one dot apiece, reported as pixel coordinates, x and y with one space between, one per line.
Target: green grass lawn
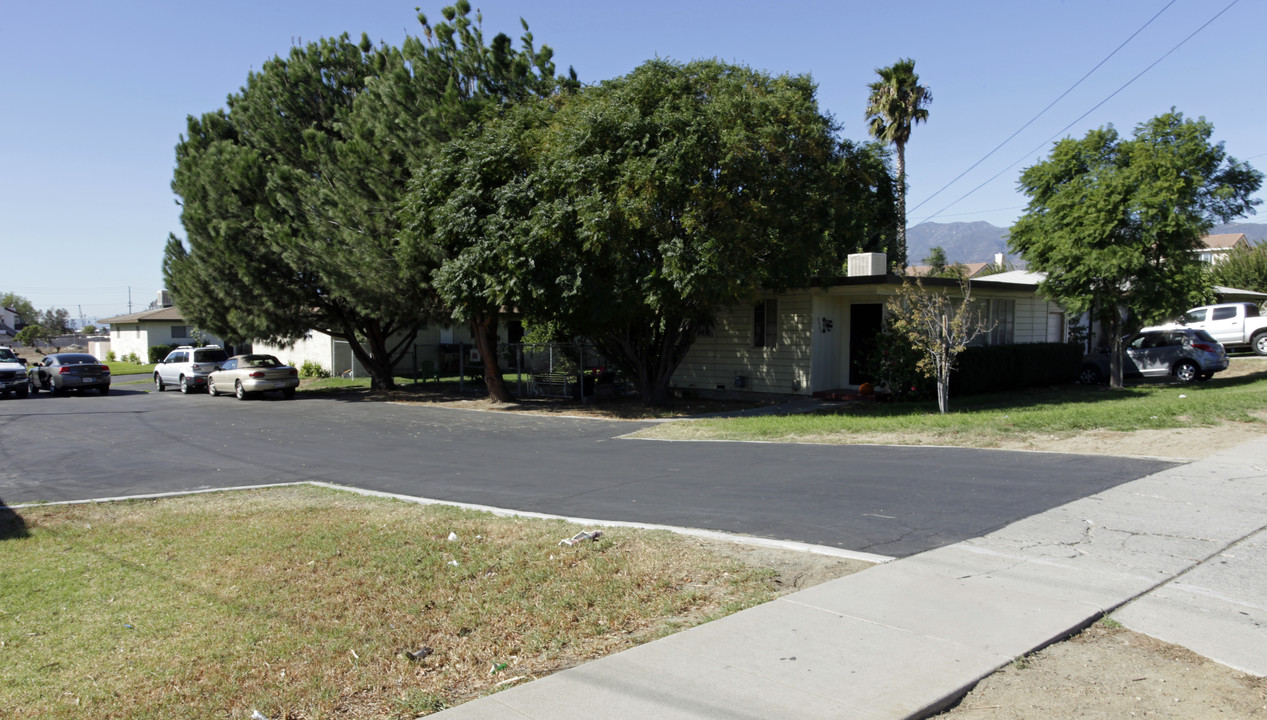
988 418
118 367
302 602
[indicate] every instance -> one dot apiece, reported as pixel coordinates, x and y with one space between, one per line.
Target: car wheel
288 393
1187 371
185 389
1260 343
1090 375
211 387
105 389
31 386
158 383
238 390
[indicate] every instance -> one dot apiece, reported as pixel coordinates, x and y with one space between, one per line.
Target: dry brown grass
302 603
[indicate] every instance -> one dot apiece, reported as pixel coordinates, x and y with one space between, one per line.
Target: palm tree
897 102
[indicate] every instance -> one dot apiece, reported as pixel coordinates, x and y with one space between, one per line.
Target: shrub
892 366
1007 367
132 358
158 352
313 369
110 356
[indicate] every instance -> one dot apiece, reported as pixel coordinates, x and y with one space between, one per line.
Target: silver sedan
246 375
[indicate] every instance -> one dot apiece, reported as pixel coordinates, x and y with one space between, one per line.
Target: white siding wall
1032 317
716 361
314 348
139 337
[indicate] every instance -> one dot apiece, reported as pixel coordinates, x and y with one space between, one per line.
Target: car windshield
7 354
1203 336
75 359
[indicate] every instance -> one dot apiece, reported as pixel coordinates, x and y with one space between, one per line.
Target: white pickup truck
1233 324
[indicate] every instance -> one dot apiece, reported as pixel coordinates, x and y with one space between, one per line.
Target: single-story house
814 339
138 332
1216 248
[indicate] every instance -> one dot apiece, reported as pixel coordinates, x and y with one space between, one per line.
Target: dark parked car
1186 353
60 372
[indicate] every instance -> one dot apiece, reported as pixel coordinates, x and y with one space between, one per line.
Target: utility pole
129 299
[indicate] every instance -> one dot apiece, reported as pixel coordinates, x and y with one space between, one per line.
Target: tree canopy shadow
12 525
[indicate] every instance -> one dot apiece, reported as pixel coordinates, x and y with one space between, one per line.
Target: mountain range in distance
979 241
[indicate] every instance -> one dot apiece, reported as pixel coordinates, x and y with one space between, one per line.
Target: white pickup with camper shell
1235 325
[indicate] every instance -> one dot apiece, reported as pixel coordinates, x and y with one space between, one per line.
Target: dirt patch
1177 443
1110 672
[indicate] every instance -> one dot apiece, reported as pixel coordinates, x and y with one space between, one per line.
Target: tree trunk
899 164
484 328
1116 371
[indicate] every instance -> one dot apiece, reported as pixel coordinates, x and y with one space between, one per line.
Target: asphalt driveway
887 500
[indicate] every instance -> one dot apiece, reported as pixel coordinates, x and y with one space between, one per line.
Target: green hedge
159 352
1007 367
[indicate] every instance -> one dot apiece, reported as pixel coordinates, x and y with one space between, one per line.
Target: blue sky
98 93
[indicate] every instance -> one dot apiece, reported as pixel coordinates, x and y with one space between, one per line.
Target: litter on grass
582 537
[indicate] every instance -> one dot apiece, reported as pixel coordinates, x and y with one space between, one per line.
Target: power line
1097 106
1049 106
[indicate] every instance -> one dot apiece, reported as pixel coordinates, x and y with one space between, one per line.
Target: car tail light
63 371
294 372
105 368
257 374
1204 347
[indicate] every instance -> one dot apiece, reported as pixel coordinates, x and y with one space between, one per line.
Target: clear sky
97 94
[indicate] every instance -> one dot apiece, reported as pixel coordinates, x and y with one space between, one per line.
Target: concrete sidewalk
1188 546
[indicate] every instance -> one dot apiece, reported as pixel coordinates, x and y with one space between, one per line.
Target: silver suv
187 367
1186 353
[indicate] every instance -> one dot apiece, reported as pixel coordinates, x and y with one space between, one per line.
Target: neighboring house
10 324
1216 248
138 332
438 344
815 339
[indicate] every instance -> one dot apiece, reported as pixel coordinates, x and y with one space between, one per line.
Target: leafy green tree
1244 268
630 211
469 207
936 260
1113 222
290 196
31 335
896 104
939 326
55 321
20 305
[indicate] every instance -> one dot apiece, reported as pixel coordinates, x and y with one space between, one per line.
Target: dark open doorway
865 322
